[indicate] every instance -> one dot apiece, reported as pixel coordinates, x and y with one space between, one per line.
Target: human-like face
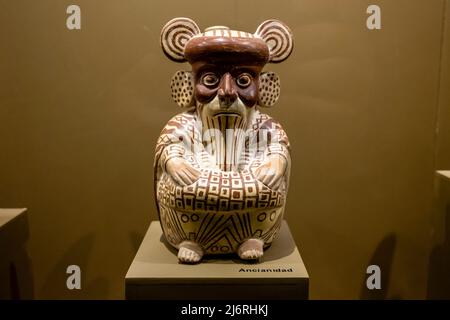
226 97
228 82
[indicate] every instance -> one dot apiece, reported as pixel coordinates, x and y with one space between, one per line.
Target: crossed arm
270 172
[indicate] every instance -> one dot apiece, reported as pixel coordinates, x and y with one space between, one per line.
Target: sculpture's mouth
227 113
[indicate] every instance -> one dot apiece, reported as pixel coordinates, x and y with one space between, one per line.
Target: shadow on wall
78 254
135 239
382 257
439 263
16 276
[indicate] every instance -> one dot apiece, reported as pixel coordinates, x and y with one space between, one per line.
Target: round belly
220 210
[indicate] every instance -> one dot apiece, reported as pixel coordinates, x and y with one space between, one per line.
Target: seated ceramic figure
222 166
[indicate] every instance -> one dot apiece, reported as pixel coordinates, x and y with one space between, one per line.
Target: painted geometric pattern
187 126
181 126
222 208
219 191
220 233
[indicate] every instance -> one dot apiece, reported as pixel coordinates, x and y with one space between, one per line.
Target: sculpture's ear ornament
182 86
269 89
278 38
182 40
174 36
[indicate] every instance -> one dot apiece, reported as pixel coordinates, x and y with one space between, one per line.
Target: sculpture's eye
210 79
244 80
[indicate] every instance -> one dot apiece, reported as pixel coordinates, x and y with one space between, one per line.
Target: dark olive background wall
81 111
443 129
439 262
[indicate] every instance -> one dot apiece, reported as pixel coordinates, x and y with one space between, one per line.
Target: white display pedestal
16 280
444 173
438 287
8 215
156 274
12 234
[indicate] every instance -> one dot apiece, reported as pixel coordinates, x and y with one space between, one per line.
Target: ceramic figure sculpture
222 166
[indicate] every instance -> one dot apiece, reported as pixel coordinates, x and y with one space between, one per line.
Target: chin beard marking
224 136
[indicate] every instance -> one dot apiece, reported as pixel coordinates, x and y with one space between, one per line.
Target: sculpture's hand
272 171
182 171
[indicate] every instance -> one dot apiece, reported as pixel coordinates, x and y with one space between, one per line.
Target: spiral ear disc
269 89
278 38
174 36
182 86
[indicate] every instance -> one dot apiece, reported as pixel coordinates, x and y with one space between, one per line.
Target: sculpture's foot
251 249
189 252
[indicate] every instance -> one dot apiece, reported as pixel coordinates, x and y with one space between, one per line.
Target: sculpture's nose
227 93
